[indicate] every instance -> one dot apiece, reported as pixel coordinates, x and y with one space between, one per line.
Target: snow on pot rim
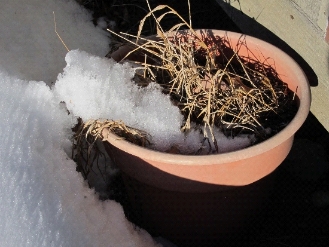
233 168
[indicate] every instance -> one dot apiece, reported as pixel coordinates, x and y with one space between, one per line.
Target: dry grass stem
60 38
87 152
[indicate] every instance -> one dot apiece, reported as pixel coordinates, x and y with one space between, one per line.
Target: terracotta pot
193 199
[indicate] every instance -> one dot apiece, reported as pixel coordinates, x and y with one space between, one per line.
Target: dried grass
86 151
207 78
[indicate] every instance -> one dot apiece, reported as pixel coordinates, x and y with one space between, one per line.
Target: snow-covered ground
44 201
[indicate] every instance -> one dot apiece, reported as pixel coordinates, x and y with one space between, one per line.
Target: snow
29 46
44 201
99 88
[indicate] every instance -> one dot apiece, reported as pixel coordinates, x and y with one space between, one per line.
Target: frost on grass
44 201
99 88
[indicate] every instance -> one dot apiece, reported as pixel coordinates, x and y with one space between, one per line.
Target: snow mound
99 88
44 201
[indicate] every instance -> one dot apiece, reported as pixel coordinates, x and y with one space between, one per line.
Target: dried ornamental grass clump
211 83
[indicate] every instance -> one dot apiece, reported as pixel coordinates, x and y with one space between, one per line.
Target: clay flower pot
199 200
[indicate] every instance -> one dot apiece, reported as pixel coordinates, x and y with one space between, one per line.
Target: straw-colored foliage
206 77
87 149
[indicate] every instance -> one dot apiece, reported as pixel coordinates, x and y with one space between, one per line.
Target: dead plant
86 150
207 78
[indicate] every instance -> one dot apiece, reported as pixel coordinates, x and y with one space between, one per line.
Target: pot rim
233 156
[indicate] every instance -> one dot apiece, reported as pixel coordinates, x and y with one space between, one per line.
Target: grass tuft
207 78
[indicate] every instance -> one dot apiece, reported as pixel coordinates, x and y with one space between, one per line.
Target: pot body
228 216
194 200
